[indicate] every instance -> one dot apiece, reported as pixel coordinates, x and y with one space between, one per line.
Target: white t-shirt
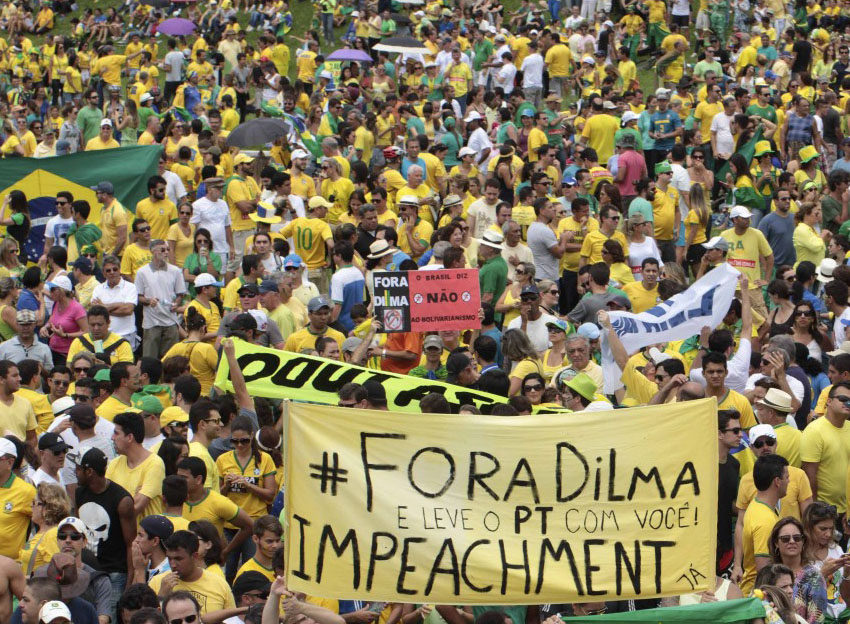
479 141
57 229
839 328
39 477
681 7
215 217
536 331
505 77
532 71
485 216
681 181
175 61
124 292
174 188
638 252
738 367
722 125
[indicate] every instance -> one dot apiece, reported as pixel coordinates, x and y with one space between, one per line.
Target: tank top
20 233
100 513
5 330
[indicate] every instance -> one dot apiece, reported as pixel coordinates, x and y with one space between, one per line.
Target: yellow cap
171 415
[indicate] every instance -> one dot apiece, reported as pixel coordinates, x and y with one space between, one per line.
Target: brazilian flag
740 611
128 168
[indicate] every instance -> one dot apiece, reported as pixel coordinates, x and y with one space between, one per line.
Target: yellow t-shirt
704 114
211 590
558 59
758 524
305 339
184 245
196 449
422 232
591 248
203 358
799 490
160 215
109 67
134 258
665 207
302 185
460 77
252 565
110 220
526 367
693 220
828 446
41 407
241 189
310 236
16 496
570 259
599 130
788 441
737 401
214 507
18 418
641 298
97 143
112 406
228 463
145 479
39 549
337 192
744 252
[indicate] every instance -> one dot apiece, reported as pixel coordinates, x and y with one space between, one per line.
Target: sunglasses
613 218
187 620
805 313
144 229
766 442
534 388
59 453
735 430
61 382
74 537
238 441
183 212
110 271
697 156
291 269
81 369
519 272
528 298
785 539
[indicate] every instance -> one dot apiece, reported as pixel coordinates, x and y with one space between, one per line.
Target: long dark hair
243 423
205 530
169 452
201 232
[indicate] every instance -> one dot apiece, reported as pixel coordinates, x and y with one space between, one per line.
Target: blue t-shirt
406 163
27 301
662 123
779 232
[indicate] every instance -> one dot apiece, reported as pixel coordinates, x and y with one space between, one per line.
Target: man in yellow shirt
825 449
414 233
770 476
313 240
591 248
106 346
242 194
16 498
104 139
205 422
207 590
137 254
773 410
159 211
203 503
16 413
306 63
714 370
750 253
136 469
600 128
559 61
644 294
319 313
125 380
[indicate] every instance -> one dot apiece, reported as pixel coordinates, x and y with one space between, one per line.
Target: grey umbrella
258 132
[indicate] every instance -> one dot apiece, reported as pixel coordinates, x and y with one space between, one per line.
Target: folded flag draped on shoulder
128 168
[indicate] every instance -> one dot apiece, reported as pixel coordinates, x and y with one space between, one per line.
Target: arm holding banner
737 562
243 398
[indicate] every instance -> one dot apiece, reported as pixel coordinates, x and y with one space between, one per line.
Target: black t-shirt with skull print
100 514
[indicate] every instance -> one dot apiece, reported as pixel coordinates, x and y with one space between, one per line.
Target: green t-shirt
634 132
831 209
767 112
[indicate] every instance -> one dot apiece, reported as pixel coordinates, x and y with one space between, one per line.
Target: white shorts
703 22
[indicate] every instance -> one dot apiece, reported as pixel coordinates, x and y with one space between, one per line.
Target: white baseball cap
740 211
629 116
60 281
52 610
7 447
205 279
261 318
300 153
472 116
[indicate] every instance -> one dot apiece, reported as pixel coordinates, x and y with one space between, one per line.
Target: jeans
118 580
237 556
328 27
554 9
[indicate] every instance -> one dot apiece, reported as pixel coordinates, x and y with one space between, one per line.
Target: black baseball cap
248 288
375 392
157 526
51 441
93 458
456 363
84 415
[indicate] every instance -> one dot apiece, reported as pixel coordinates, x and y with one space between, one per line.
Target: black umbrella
400 18
402 45
157 4
258 132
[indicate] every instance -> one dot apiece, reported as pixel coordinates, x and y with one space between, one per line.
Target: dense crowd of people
586 158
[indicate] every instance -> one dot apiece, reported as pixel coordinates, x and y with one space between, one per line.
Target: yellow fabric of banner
450 509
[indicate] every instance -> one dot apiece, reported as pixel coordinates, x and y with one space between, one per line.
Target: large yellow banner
452 509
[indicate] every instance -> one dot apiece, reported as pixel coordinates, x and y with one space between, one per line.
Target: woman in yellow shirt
696 224
202 356
210 545
181 235
808 243
517 348
612 255
508 303
50 506
555 357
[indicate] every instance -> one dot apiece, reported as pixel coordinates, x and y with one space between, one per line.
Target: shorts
682 21
680 242
703 23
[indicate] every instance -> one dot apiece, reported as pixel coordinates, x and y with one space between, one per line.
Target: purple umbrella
176 26
349 54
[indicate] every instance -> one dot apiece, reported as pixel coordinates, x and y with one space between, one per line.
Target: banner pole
283 447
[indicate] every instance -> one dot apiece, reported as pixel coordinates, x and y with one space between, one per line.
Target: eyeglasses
553 292
247 295
187 620
615 218
528 298
238 441
766 442
61 203
735 430
81 369
74 537
90 255
109 271
534 388
213 420
785 539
